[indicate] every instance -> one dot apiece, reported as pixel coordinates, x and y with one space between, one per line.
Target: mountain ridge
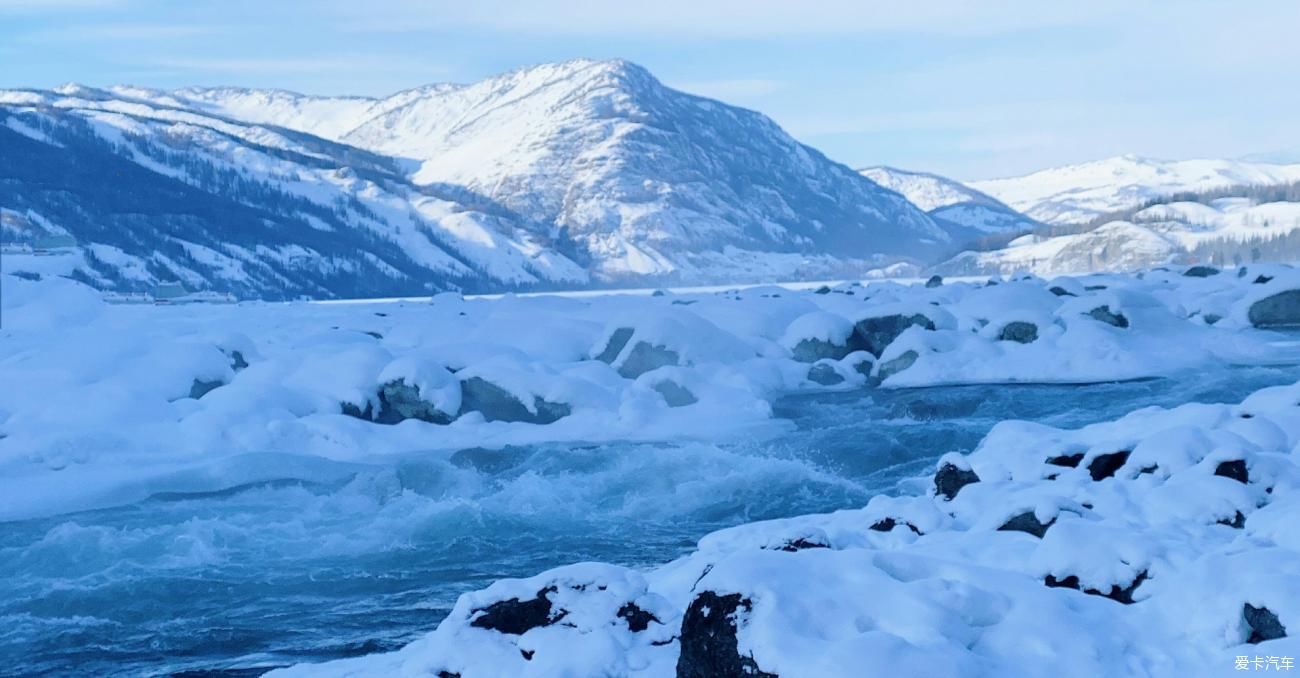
581 173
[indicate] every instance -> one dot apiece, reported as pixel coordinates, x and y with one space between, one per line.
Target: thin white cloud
47 6
121 32
721 18
350 65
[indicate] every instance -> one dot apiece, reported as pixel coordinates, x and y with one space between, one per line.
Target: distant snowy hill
1081 193
951 202
1263 223
1115 247
585 172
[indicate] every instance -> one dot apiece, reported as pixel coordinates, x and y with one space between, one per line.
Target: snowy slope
1239 219
1080 193
950 201
1226 229
643 177
1116 246
154 194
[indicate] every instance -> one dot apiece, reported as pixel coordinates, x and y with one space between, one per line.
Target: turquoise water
235 582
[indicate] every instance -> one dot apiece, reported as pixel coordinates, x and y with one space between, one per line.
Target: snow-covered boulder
818 336
1281 309
662 338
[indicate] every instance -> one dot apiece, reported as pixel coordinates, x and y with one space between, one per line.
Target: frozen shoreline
106 404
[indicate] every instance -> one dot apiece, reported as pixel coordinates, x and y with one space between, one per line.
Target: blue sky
968 89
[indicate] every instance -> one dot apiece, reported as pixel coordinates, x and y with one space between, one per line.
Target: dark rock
1264 625
497 404
658 293
399 401
1094 288
1103 314
646 357
200 388
822 290
637 619
888 525
27 275
373 334
825 375
949 480
1104 466
683 302
1027 522
891 367
934 281
448 674
812 350
1068 460
863 365
237 361
803 544
873 335
1117 594
1201 272
1280 310
352 410
708 640
1238 521
1019 332
675 394
1262 279
617 341
1236 470
1212 318
516 617
1061 291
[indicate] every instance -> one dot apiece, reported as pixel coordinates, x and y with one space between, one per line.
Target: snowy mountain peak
600 150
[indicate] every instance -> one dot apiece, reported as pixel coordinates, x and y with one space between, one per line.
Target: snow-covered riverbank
236 438
102 404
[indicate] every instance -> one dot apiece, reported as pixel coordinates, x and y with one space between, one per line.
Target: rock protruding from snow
951 477
1278 310
875 334
496 403
708 638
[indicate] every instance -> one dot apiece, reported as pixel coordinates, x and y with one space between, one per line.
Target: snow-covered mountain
1081 193
1223 231
153 194
643 177
951 202
584 172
